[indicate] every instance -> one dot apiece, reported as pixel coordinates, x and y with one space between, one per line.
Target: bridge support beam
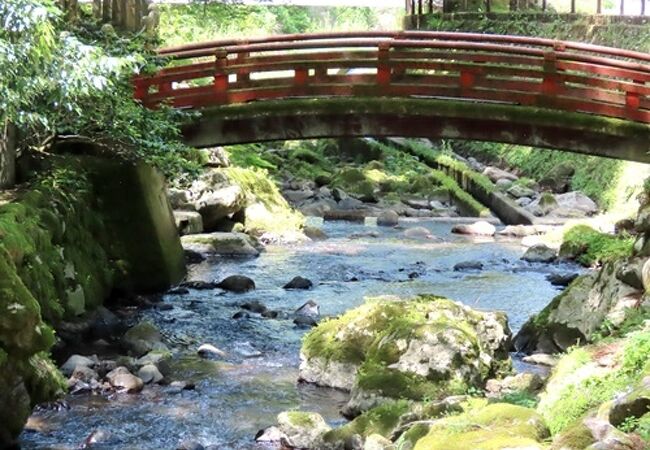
418 117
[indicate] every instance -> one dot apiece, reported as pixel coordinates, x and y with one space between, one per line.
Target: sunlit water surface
235 398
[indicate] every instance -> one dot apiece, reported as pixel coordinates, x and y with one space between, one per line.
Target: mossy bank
65 245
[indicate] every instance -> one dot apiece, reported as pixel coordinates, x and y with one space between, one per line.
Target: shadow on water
236 397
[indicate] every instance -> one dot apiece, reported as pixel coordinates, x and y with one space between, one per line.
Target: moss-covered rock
492 427
302 429
424 347
581 310
590 247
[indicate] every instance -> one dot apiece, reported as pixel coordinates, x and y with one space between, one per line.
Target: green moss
590 247
575 437
578 385
412 435
300 418
380 420
259 187
370 337
492 427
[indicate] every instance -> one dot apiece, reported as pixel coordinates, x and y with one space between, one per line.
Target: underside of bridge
419 117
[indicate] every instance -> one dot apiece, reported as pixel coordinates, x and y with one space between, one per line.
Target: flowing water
236 397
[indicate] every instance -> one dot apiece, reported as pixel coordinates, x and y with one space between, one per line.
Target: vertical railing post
383 68
573 6
551 82
622 11
488 6
300 78
599 6
243 74
141 90
543 5
643 7
430 6
220 84
420 9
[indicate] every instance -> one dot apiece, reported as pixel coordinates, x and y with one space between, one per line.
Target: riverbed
237 396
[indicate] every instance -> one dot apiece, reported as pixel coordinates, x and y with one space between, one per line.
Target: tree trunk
7 155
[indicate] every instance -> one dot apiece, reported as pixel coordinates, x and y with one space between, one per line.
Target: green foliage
59 79
181 24
380 420
591 247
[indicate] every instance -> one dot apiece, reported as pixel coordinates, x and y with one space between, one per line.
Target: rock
104 324
179 199
433 344
518 191
124 380
299 283
222 243
318 208
503 184
150 374
143 338
562 279
270 434
635 403
631 272
237 283
607 436
309 309
480 228
305 322
209 350
541 359
254 306
297 197
199 285
247 350
417 203
418 233
579 311
524 201
377 442
539 253
558 179
388 218
188 222
268 314
468 265
76 361
155 357
302 429
543 205
522 382
495 174
215 157
190 445
314 233
85 374
193 256
215 205
178 291
525 230
241 315
624 226
350 203
576 201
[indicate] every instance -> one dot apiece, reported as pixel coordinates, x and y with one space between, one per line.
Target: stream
236 397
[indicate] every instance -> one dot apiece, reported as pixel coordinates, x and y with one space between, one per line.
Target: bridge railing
515 70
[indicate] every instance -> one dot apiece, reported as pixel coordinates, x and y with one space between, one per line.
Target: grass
590 247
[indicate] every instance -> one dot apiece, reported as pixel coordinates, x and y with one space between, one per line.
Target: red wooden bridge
547 93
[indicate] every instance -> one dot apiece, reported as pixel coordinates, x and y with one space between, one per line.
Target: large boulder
543 205
574 204
390 348
215 205
579 311
219 243
388 218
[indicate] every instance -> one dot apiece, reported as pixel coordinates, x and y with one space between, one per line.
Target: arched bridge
562 95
